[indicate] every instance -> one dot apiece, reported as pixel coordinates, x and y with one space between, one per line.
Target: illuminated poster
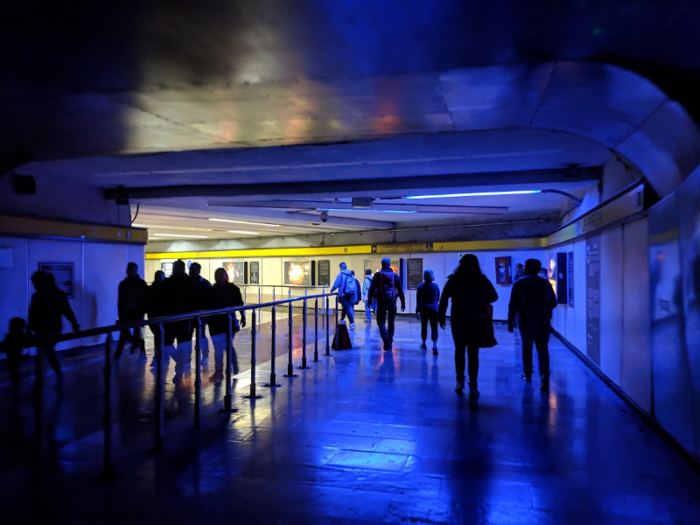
236 271
504 270
552 271
300 273
376 264
166 268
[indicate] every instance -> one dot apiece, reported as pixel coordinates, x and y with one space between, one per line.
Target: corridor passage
362 436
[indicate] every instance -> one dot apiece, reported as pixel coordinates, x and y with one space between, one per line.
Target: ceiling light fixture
365 210
477 194
244 232
180 236
248 222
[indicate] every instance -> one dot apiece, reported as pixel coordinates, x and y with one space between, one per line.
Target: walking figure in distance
471 292
531 303
385 288
365 295
346 284
427 301
131 307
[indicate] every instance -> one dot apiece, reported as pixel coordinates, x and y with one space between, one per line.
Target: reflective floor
362 436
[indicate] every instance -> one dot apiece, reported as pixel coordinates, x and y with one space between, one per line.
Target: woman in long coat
470 291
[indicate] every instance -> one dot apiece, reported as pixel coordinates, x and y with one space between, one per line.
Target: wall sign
254 268
63 273
593 299
570 269
414 269
504 272
324 273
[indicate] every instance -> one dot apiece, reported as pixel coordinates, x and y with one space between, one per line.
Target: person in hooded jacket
471 292
427 301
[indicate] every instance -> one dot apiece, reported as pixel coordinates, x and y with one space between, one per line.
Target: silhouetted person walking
179 296
12 347
202 287
385 288
471 292
48 306
427 301
154 306
131 307
223 294
531 303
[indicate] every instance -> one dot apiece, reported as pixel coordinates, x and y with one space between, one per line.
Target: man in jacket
179 296
531 303
202 287
385 288
131 307
346 284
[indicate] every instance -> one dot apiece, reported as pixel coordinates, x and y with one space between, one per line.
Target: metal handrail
108 470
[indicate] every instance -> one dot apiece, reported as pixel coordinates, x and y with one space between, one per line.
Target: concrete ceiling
198 111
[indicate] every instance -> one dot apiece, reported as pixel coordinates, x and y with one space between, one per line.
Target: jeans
540 339
368 309
428 315
460 335
348 309
386 310
219 343
126 335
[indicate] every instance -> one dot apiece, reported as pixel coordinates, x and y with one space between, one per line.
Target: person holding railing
223 294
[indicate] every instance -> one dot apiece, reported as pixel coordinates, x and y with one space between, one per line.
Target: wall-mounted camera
324 216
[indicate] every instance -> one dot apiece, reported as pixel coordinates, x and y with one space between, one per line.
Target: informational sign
166 268
414 269
254 267
324 273
593 299
570 269
562 278
63 274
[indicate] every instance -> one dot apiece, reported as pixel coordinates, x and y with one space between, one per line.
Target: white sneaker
352 326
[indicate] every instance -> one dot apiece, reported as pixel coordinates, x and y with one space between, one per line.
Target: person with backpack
427 300
365 295
346 284
471 293
532 300
357 288
385 288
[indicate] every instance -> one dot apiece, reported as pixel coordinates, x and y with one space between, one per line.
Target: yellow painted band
29 227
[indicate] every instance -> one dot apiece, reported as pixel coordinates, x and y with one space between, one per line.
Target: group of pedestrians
470 293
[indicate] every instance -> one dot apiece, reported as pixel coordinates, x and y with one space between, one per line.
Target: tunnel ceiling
161 98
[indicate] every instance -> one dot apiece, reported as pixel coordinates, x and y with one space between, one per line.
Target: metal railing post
160 416
253 335
198 373
273 348
229 347
290 367
316 329
328 325
303 336
107 466
39 422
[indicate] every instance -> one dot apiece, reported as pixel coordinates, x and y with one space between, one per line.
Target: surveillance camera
324 216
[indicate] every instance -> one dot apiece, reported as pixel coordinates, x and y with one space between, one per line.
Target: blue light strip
481 194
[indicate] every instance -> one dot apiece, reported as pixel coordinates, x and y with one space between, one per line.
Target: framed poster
63 274
324 273
254 272
562 278
376 264
299 273
166 268
504 272
236 271
570 269
414 269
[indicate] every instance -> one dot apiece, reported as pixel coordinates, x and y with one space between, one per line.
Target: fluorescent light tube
247 222
477 194
244 232
179 236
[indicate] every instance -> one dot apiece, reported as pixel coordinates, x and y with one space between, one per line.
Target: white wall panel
579 310
15 288
636 350
611 279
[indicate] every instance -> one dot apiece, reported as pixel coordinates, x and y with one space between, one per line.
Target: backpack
350 285
386 289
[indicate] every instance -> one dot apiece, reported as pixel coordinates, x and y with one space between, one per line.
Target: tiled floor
363 436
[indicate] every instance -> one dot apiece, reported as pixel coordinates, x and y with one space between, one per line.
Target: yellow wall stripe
28 227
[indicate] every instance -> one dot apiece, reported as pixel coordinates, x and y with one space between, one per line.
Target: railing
107 467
